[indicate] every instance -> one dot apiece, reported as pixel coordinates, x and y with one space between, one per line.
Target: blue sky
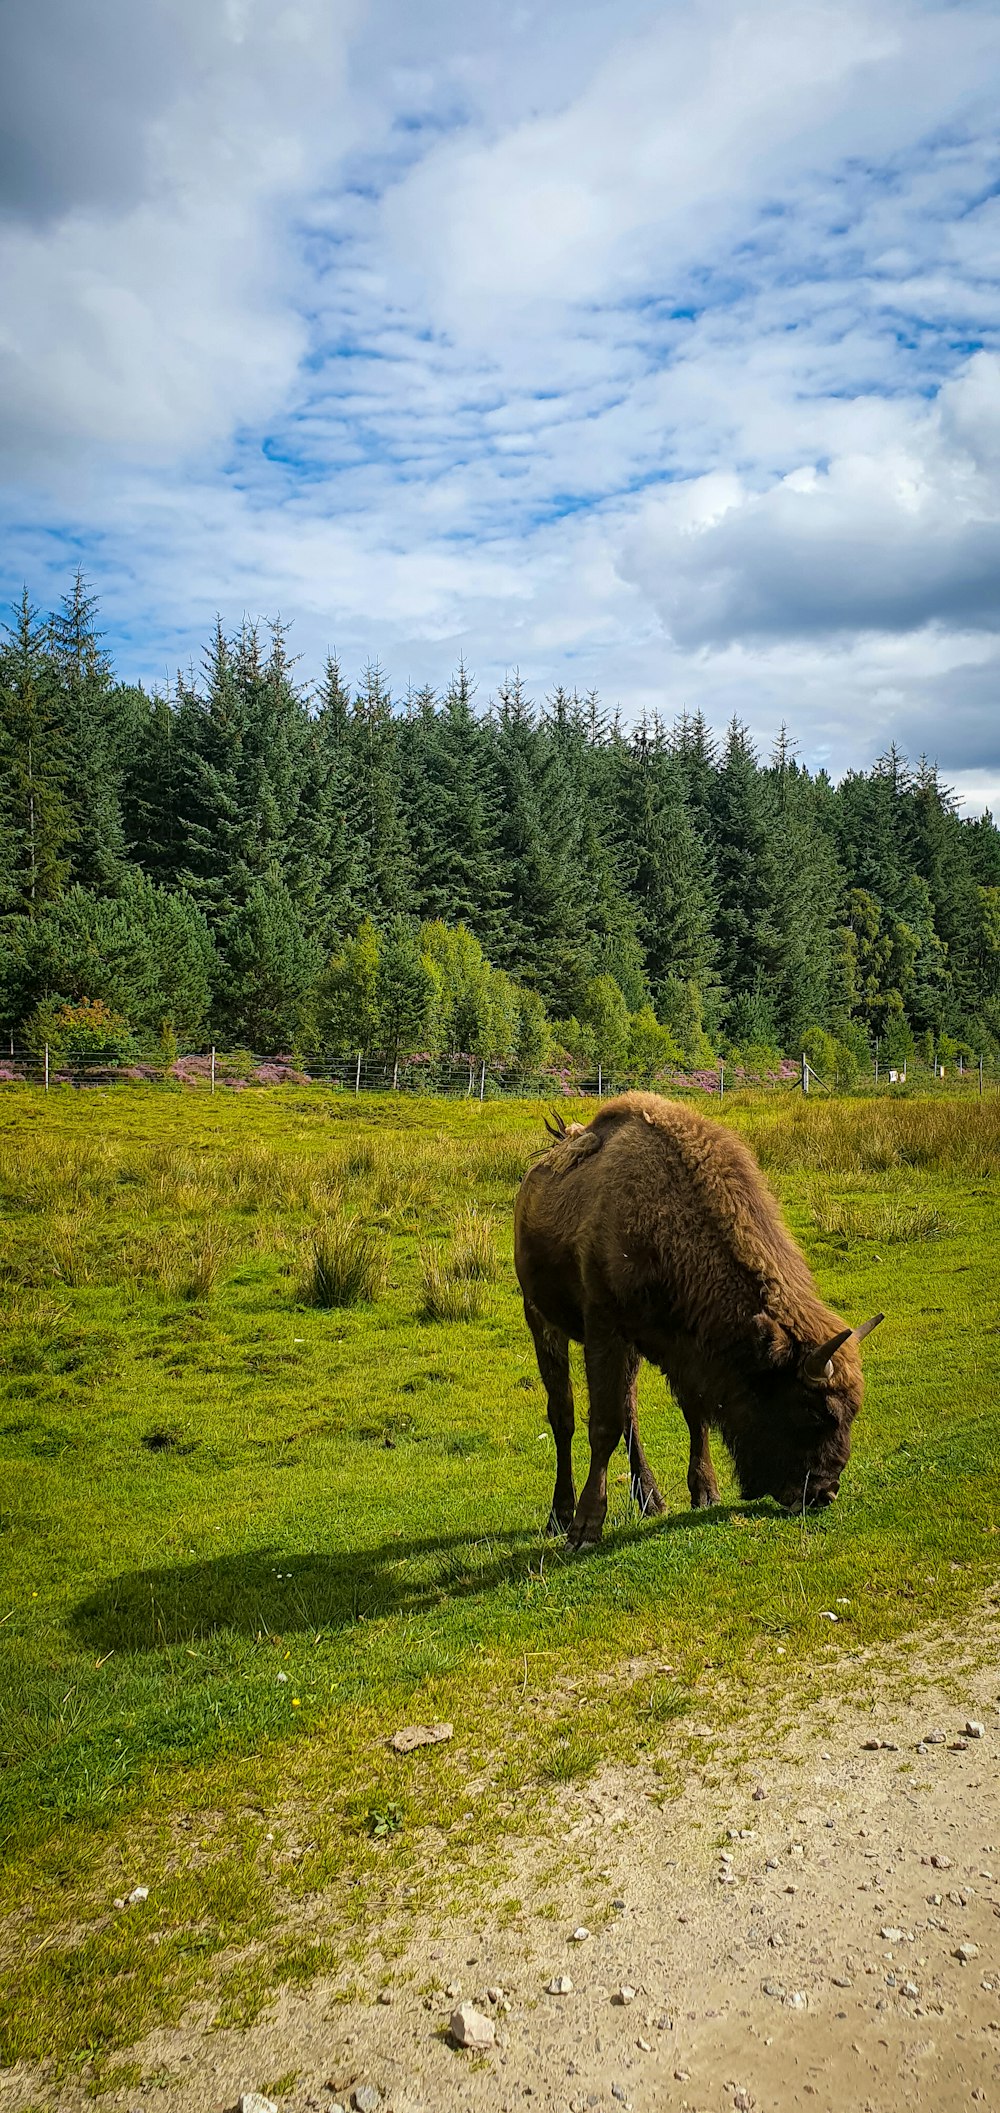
647 347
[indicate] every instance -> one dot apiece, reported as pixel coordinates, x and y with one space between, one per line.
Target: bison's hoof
586 1535
703 1499
650 1503
557 1525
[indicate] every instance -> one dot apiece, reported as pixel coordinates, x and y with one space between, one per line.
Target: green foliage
345 1002
255 861
604 1014
85 1028
651 1047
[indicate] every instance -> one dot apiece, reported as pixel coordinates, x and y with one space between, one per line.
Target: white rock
580 1936
626 1994
974 1730
366 2098
255 2102
470 2027
910 1988
935 1738
797 2001
560 1985
965 1952
137 1894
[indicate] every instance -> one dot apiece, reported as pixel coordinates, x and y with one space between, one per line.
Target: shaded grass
353 1498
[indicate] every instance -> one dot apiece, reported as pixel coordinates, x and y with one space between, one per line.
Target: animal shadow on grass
262 1590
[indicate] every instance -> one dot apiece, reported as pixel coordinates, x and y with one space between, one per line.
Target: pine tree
386 885
330 805
88 728
747 881
153 792
35 820
547 940
452 818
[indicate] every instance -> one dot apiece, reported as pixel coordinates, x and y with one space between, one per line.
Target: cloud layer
651 348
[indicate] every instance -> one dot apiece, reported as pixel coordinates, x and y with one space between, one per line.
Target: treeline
265 862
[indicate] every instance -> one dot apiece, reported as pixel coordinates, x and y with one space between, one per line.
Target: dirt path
810 1961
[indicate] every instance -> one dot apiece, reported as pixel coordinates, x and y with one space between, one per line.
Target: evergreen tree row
217 858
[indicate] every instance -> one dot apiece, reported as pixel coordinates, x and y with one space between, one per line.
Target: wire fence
454 1077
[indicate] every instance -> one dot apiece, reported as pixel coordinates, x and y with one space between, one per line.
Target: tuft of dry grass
447 1296
503 1162
474 1251
347 1265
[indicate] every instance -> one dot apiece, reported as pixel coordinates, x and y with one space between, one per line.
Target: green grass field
245 1536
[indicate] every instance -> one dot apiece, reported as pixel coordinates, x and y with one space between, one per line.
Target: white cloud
895 538
150 327
639 346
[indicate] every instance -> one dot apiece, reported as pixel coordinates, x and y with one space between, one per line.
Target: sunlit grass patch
879 1218
245 1537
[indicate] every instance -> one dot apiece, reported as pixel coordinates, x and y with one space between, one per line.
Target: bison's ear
772 1343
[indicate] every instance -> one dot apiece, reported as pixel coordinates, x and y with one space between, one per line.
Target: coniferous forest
279 864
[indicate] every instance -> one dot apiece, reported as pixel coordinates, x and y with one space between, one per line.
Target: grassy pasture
246 1530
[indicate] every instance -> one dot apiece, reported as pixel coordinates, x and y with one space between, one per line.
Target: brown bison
651 1233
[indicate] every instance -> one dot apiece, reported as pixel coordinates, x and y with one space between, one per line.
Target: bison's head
802 1441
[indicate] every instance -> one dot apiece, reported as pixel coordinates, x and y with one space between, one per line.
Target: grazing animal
651 1233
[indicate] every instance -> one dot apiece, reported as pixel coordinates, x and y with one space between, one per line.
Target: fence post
213 1067
980 1077
395 1075
805 1072
357 1075
482 1080
600 1088
722 1080
47 1071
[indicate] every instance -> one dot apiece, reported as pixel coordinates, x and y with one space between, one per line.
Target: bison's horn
556 1128
819 1363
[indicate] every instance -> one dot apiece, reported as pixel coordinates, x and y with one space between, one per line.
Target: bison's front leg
612 1371
701 1474
552 1352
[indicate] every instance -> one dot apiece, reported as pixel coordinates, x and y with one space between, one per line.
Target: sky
651 348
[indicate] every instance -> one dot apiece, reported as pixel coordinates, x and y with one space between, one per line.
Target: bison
651 1233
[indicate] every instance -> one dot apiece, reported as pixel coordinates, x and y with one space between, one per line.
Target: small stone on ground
470 2027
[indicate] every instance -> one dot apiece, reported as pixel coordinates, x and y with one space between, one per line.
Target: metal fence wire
455 1077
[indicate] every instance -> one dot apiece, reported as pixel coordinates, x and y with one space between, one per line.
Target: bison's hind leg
645 1492
552 1352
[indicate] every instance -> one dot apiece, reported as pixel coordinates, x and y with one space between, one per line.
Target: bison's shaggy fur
651 1233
